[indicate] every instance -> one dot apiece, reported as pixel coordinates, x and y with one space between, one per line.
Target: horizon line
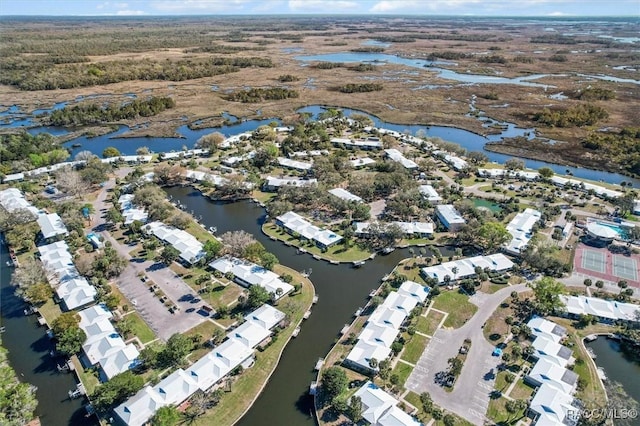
553 16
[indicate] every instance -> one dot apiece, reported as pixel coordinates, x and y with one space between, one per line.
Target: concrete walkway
470 396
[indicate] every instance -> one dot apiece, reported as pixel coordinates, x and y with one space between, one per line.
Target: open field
86 64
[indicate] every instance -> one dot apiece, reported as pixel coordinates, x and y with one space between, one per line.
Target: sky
371 7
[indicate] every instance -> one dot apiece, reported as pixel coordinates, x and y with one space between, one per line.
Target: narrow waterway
617 367
29 348
341 290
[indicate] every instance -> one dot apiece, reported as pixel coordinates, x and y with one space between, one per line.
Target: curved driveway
470 396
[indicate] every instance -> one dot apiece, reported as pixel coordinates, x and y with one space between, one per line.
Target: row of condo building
383 326
381 409
203 375
103 346
51 225
553 403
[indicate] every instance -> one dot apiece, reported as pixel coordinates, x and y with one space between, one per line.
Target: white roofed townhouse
294 164
274 183
552 351
465 268
52 226
542 327
546 371
363 351
176 387
552 406
380 409
521 230
138 409
12 200
430 194
293 223
415 290
398 157
361 162
401 302
368 144
345 195
410 229
450 218
248 274
188 246
606 311
76 293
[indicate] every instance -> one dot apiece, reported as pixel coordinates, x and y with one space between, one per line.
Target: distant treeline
259 94
328 65
83 114
222 48
360 88
577 116
591 93
23 151
69 76
368 49
453 35
570 40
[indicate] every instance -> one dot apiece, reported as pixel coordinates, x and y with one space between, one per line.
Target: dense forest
92 113
255 95
621 147
27 75
23 151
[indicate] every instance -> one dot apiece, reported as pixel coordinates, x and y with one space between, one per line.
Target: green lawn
501 381
263 197
429 324
403 371
458 307
498 413
413 350
88 378
140 328
50 311
521 390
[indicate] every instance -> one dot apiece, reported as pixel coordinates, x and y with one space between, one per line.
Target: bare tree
85 156
237 241
70 182
29 273
211 141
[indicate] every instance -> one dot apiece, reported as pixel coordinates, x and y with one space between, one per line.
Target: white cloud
128 12
453 6
324 6
201 6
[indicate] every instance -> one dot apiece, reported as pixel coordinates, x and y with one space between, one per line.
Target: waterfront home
542 327
415 290
248 274
51 226
293 223
410 229
449 217
359 358
457 163
606 311
273 184
201 375
75 293
12 200
197 176
380 409
503 173
104 346
379 334
233 160
520 228
294 164
196 152
466 268
131 213
396 300
551 406
546 371
129 159
598 190
14 177
188 246
430 194
388 315
232 140
368 144
552 351
397 156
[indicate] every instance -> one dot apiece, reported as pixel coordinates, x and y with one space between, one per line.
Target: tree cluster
258 94
360 88
24 151
17 400
577 116
92 113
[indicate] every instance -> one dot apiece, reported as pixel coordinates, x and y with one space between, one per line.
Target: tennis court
594 261
625 268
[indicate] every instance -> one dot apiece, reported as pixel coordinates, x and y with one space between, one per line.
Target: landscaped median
249 384
336 253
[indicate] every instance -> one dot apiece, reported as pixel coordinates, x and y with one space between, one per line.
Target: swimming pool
622 232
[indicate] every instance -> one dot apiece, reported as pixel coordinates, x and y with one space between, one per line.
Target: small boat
313 388
373 292
73 394
295 332
388 250
213 229
306 315
315 299
319 364
358 312
344 329
601 374
591 337
358 263
591 353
